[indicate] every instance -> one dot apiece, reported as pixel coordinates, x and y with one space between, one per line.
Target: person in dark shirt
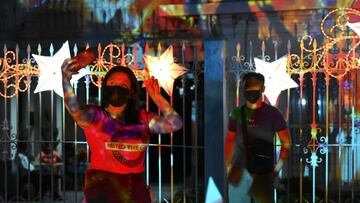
249 148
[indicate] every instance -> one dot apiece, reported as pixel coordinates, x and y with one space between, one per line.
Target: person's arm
57 156
229 148
81 116
285 140
170 120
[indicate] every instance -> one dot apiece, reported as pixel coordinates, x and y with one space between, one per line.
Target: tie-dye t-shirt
116 147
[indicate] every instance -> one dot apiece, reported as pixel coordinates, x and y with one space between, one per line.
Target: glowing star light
276 78
50 77
164 69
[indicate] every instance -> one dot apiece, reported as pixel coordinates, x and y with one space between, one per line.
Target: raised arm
80 115
170 120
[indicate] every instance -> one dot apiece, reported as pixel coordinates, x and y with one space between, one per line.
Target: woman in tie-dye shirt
118 134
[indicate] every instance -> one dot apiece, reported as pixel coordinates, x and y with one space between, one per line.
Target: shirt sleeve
146 116
95 113
280 123
233 119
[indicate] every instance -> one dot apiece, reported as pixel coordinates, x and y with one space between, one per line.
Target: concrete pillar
215 115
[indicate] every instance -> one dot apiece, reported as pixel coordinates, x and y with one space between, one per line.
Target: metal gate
35 122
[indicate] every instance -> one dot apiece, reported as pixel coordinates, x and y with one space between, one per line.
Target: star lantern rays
276 77
164 69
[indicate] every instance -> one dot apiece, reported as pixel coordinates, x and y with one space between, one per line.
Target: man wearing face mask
249 148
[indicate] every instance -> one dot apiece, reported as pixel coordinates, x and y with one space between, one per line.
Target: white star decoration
82 73
276 78
164 69
355 27
50 77
212 194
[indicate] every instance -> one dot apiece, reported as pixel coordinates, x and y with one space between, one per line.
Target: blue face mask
115 95
252 95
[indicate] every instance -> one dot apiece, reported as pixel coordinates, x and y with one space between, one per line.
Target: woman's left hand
152 86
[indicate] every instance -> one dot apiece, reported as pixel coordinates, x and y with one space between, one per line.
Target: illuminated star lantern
164 69
212 194
355 27
50 77
276 78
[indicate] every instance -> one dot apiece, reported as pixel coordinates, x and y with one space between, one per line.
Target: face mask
252 95
115 95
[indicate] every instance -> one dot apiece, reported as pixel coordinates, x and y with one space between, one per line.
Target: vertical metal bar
147 109
340 81
28 66
263 50
287 117
276 148
171 161
238 78
314 79
159 146
40 132
75 150
251 54
52 142
63 143
52 133
6 150
5 130
16 111
40 140
196 75
147 149
183 80
301 137
327 83
75 137
87 86
353 103
288 165
159 168
352 153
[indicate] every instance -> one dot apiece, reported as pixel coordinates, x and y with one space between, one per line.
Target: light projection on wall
287 20
149 18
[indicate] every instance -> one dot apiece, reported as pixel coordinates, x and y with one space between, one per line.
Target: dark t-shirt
262 124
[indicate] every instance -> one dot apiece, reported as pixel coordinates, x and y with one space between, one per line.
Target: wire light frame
327 58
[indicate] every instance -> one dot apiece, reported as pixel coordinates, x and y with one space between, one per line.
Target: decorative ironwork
337 56
8 141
